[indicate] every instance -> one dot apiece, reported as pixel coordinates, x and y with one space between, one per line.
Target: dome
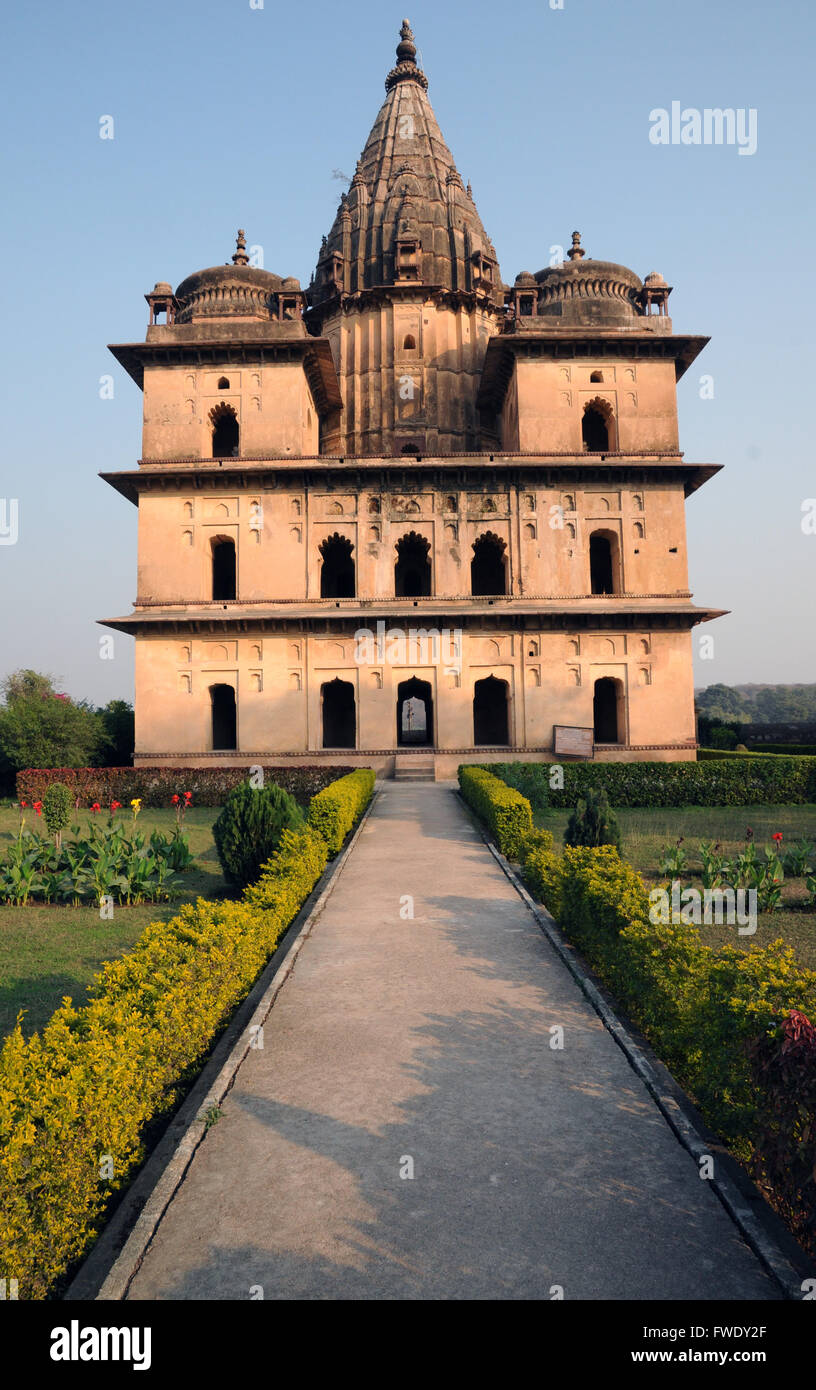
229 291
162 287
584 291
524 277
291 283
654 280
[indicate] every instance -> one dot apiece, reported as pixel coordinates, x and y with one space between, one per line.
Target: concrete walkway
429 1041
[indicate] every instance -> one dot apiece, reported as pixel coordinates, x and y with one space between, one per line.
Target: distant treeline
757 704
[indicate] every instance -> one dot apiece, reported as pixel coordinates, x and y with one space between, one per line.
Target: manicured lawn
47 952
644 833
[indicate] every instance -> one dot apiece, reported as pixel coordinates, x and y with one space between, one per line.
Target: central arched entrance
223 717
339 714
608 711
415 725
491 712
412 571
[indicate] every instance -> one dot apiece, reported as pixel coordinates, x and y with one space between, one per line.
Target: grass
645 832
47 952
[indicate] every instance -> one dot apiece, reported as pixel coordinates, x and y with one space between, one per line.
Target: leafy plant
800 859
249 829
716 868
593 822
672 859
57 805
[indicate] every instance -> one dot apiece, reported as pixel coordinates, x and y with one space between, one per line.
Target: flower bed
155 785
77 1098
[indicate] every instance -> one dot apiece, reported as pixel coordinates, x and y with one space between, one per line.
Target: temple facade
411 515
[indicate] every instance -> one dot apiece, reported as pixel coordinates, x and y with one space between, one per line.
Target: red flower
96 806
115 805
22 804
38 807
175 799
777 836
189 796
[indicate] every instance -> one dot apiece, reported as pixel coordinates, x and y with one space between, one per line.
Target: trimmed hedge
706 1011
791 750
155 785
727 779
505 812
337 808
84 1090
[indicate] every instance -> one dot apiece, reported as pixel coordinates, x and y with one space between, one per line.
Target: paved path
429 1040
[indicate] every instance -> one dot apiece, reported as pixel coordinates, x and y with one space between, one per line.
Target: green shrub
723 738
506 813
249 829
57 805
705 1011
531 779
96 1076
717 779
593 822
335 810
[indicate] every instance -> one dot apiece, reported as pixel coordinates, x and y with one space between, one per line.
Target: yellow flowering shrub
506 813
75 1099
334 811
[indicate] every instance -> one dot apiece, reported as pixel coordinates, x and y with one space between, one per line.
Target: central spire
406 69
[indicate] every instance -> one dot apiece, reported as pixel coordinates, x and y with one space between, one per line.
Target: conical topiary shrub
249 829
593 822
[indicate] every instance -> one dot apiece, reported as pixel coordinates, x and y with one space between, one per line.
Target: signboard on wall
571 741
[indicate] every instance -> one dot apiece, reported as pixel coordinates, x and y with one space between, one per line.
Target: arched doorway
608 714
223 567
339 715
226 432
412 571
491 712
223 714
488 572
415 723
598 427
604 563
337 578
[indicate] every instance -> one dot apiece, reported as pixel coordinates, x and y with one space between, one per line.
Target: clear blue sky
229 116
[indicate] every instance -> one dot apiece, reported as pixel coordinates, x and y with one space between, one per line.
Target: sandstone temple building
411 514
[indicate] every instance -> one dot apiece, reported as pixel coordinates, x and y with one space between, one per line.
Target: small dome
525 277
236 290
162 287
654 280
583 291
291 283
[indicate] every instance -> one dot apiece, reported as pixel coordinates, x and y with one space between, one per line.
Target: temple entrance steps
415 767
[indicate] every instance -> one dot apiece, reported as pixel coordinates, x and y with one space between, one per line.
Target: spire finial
241 257
406 69
576 252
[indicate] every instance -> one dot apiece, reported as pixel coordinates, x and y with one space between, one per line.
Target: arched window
223 384
414 713
412 571
226 433
608 711
409 345
596 376
491 721
223 568
488 572
224 724
604 563
337 579
338 712
598 427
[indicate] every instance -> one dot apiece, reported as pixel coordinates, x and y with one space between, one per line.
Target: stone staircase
414 767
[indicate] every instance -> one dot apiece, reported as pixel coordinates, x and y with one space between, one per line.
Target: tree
44 727
117 721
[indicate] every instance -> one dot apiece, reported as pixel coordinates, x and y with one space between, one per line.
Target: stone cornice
486 472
